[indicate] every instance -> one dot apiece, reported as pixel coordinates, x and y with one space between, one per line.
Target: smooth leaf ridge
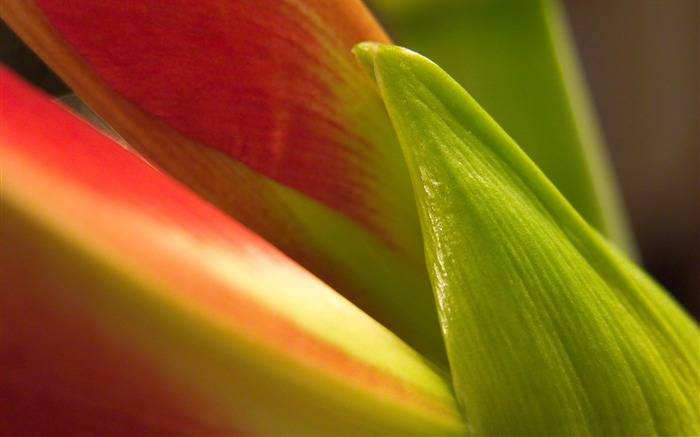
550 330
519 61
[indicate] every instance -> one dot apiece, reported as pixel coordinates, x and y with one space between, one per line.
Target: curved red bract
127 211
320 178
259 81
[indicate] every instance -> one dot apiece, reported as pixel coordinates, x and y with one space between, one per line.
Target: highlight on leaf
549 329
518 60
131 306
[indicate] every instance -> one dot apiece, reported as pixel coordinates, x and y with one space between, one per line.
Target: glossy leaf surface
131 306
519 62
549 329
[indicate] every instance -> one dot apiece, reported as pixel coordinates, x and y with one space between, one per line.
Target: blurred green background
641 62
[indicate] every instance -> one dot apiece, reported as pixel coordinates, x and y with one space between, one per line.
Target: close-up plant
292 226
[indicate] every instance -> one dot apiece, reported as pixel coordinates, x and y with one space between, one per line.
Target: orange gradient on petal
151 226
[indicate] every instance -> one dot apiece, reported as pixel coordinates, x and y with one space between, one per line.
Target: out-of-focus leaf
130 306
549 329
261 109
518 60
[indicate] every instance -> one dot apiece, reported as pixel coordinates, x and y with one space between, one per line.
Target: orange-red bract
131 306
260 108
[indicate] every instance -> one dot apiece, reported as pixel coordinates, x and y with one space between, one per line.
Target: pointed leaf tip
518 57
364 52
549 329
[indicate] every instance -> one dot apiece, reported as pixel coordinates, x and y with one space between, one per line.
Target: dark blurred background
641 60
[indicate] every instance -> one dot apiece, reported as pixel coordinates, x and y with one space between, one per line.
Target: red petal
199 88
125 295
262 82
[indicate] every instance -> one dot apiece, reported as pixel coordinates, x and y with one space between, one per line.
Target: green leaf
549 329
518 60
